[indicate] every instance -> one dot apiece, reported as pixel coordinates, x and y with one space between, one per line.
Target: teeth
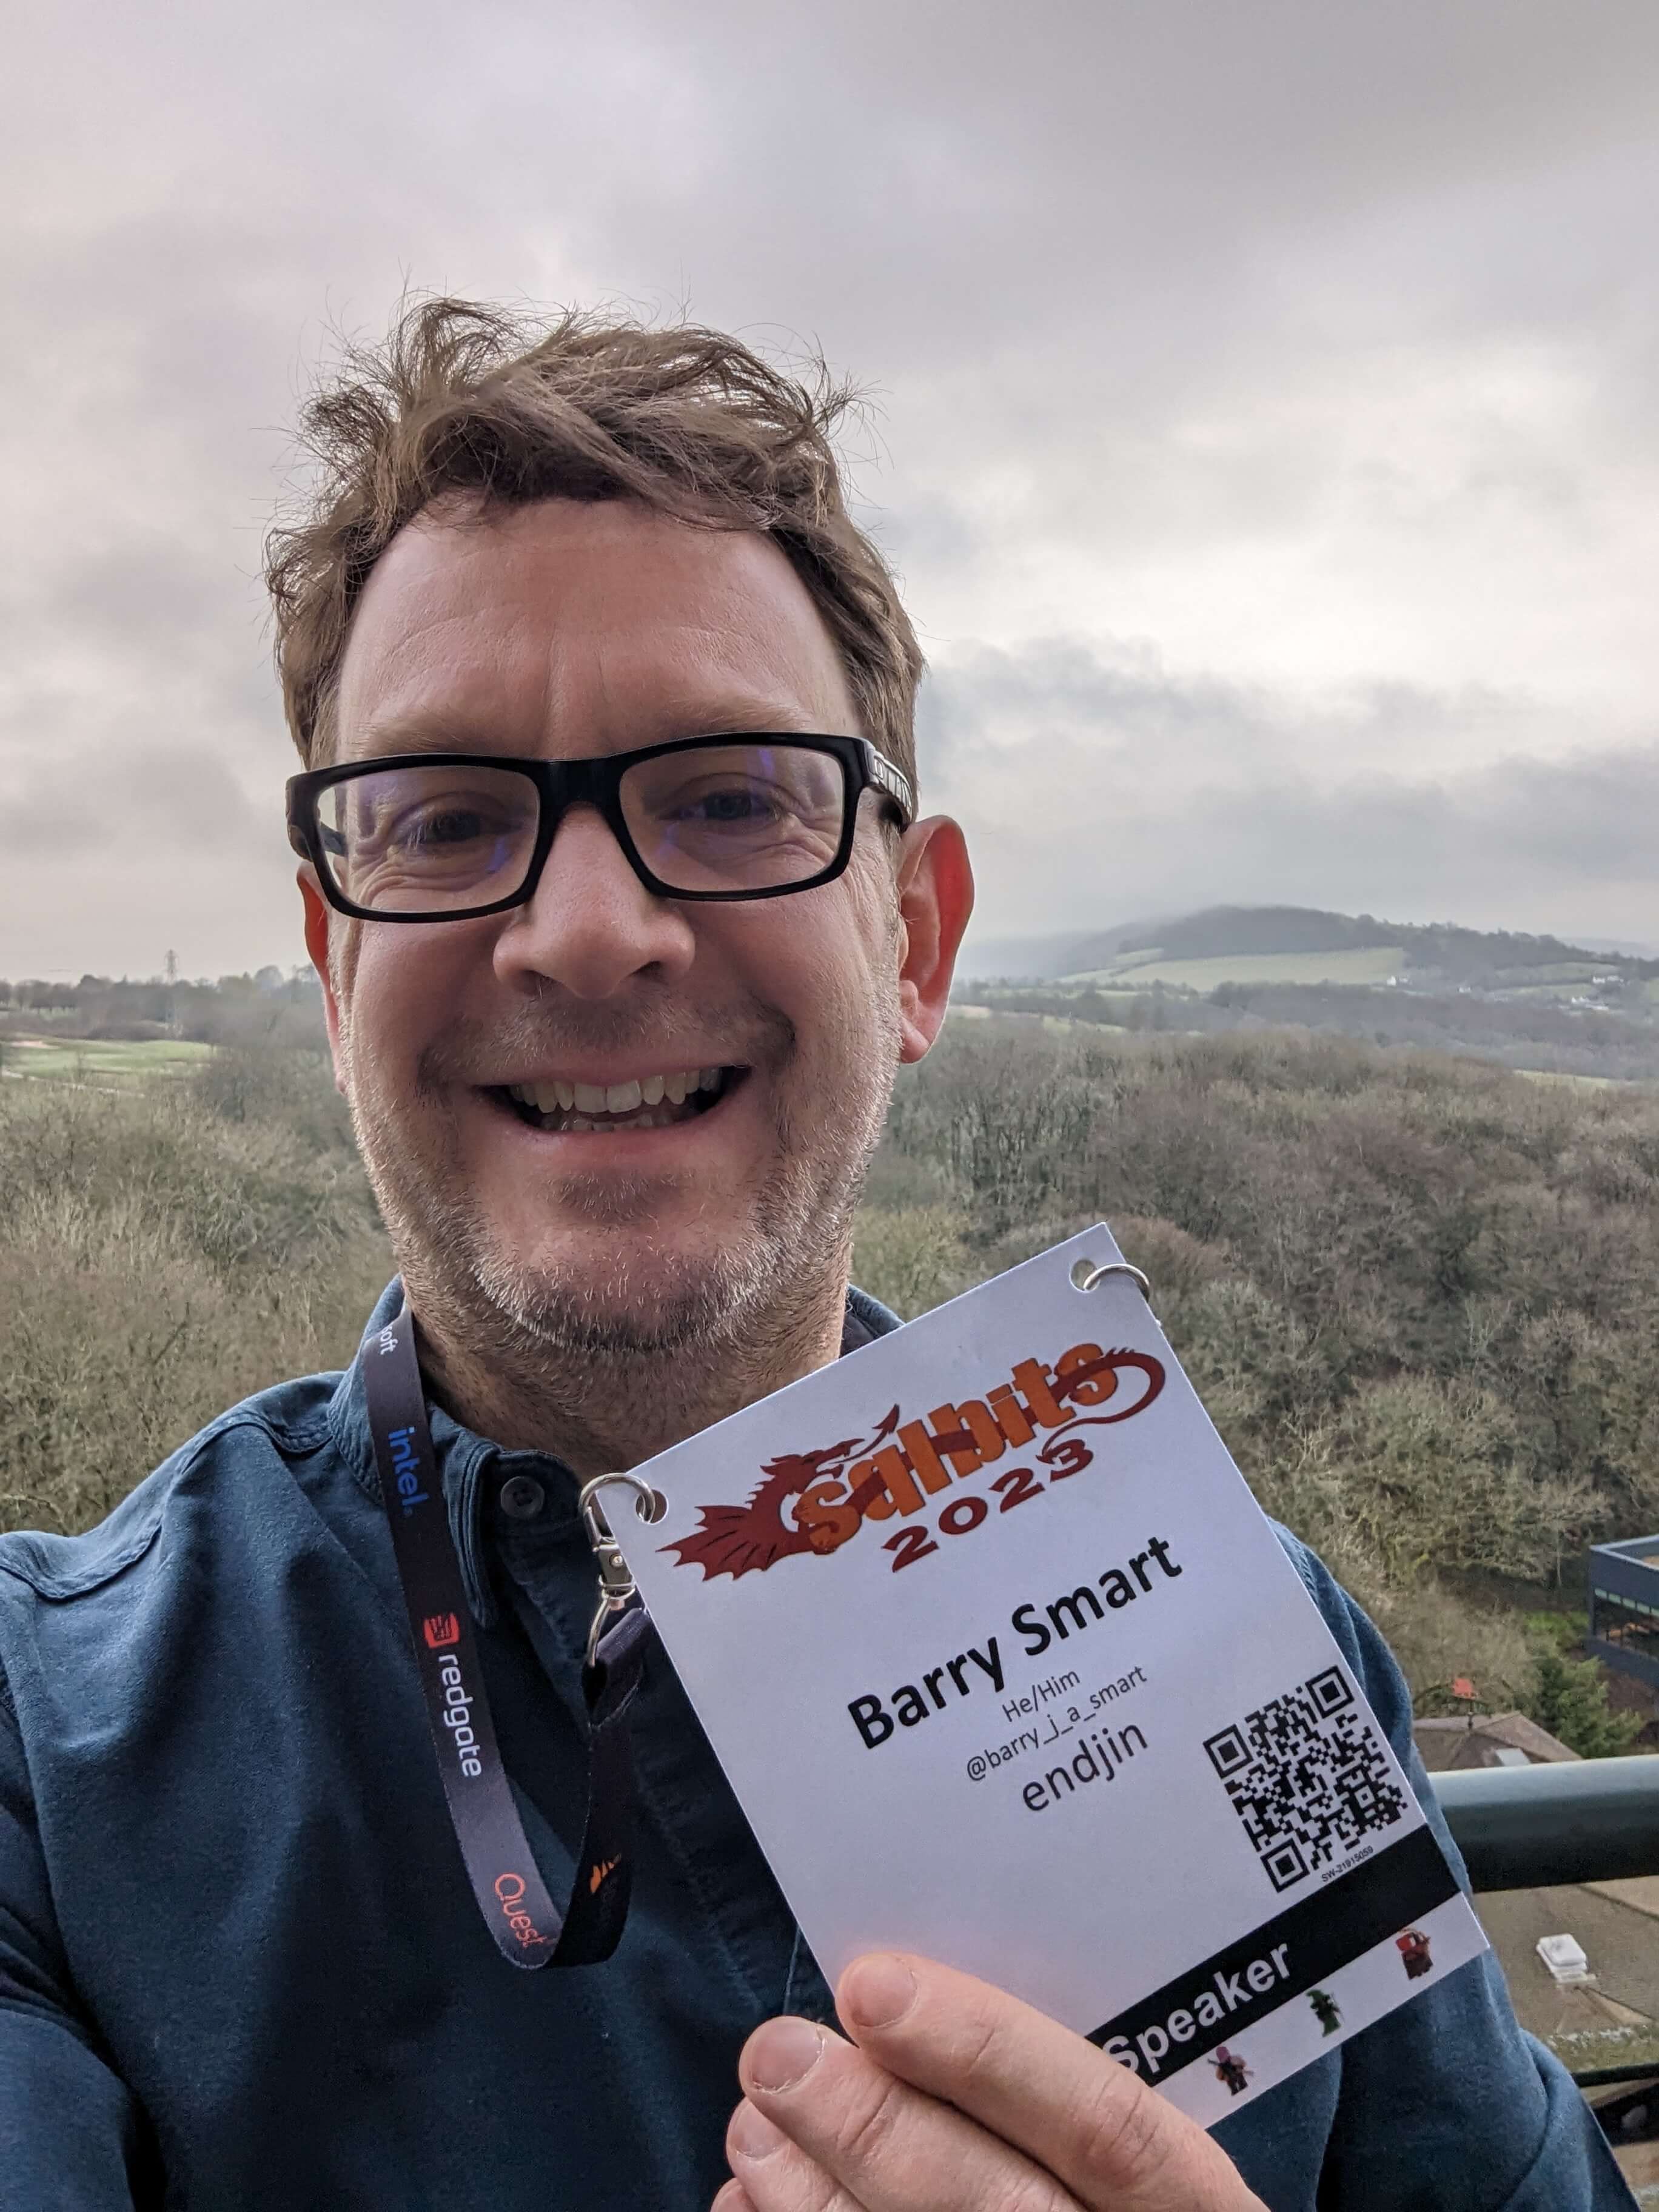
585 1100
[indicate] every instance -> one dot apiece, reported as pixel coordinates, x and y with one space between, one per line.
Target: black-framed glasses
446 836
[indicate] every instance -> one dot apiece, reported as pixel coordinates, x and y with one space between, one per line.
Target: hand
954 2097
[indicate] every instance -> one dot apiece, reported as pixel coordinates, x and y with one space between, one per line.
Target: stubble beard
649 1317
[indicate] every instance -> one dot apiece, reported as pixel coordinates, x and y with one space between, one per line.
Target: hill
1242 937
1536 1003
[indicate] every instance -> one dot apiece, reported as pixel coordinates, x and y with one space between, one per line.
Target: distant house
1624 1606
1489 1739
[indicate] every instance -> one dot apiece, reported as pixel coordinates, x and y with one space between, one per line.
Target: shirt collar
466 1460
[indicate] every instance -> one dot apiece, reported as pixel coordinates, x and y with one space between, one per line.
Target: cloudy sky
1268 428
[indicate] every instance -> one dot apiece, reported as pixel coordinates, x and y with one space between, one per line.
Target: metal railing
1535 1827
1532 1827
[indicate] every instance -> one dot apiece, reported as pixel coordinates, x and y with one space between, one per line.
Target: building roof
1485 1740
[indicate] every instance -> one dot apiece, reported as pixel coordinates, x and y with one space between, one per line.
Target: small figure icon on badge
1413 1949
1230 2069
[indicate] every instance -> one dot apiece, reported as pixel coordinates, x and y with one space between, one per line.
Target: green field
1582 1082
90 1060
1372 963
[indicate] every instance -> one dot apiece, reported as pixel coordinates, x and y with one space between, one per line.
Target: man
612 873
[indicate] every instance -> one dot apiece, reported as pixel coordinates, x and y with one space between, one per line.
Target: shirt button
522 1498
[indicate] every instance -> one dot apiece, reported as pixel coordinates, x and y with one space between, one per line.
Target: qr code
1307 1777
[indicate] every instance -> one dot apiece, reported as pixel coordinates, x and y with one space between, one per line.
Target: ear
935 897
316 923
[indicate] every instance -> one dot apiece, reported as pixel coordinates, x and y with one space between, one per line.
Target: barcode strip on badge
1307 1775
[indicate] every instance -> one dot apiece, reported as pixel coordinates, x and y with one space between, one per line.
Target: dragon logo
836 1487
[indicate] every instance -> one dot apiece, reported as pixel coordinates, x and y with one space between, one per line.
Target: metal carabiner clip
618 1588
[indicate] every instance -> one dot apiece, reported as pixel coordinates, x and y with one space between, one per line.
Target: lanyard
529 1929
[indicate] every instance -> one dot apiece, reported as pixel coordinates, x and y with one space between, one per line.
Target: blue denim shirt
240 1965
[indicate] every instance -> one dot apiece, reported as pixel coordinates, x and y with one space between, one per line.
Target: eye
445 825
743 803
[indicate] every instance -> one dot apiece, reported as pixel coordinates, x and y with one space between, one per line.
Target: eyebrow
421 733
427 732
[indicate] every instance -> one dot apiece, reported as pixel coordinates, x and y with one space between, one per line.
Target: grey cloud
177 806
1140 792
1064 698
1141 287
111 857
1546 850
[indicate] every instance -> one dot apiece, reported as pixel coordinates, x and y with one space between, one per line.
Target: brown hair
467 398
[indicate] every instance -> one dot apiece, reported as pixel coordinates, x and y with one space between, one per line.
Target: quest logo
815 1502
509 1888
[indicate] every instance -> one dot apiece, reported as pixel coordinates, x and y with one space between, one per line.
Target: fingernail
780 2053
751 2135
878 1991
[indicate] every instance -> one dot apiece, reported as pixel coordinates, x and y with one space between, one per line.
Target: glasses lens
735 817
429 839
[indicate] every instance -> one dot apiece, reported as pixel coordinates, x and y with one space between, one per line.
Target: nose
592 926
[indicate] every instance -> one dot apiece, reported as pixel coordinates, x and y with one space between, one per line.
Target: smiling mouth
649 1102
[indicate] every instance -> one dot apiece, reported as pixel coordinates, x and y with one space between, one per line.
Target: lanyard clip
617 1590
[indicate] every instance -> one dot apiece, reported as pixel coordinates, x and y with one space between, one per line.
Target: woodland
1418 1293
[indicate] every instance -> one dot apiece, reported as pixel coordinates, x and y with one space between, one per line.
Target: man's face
763 1037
